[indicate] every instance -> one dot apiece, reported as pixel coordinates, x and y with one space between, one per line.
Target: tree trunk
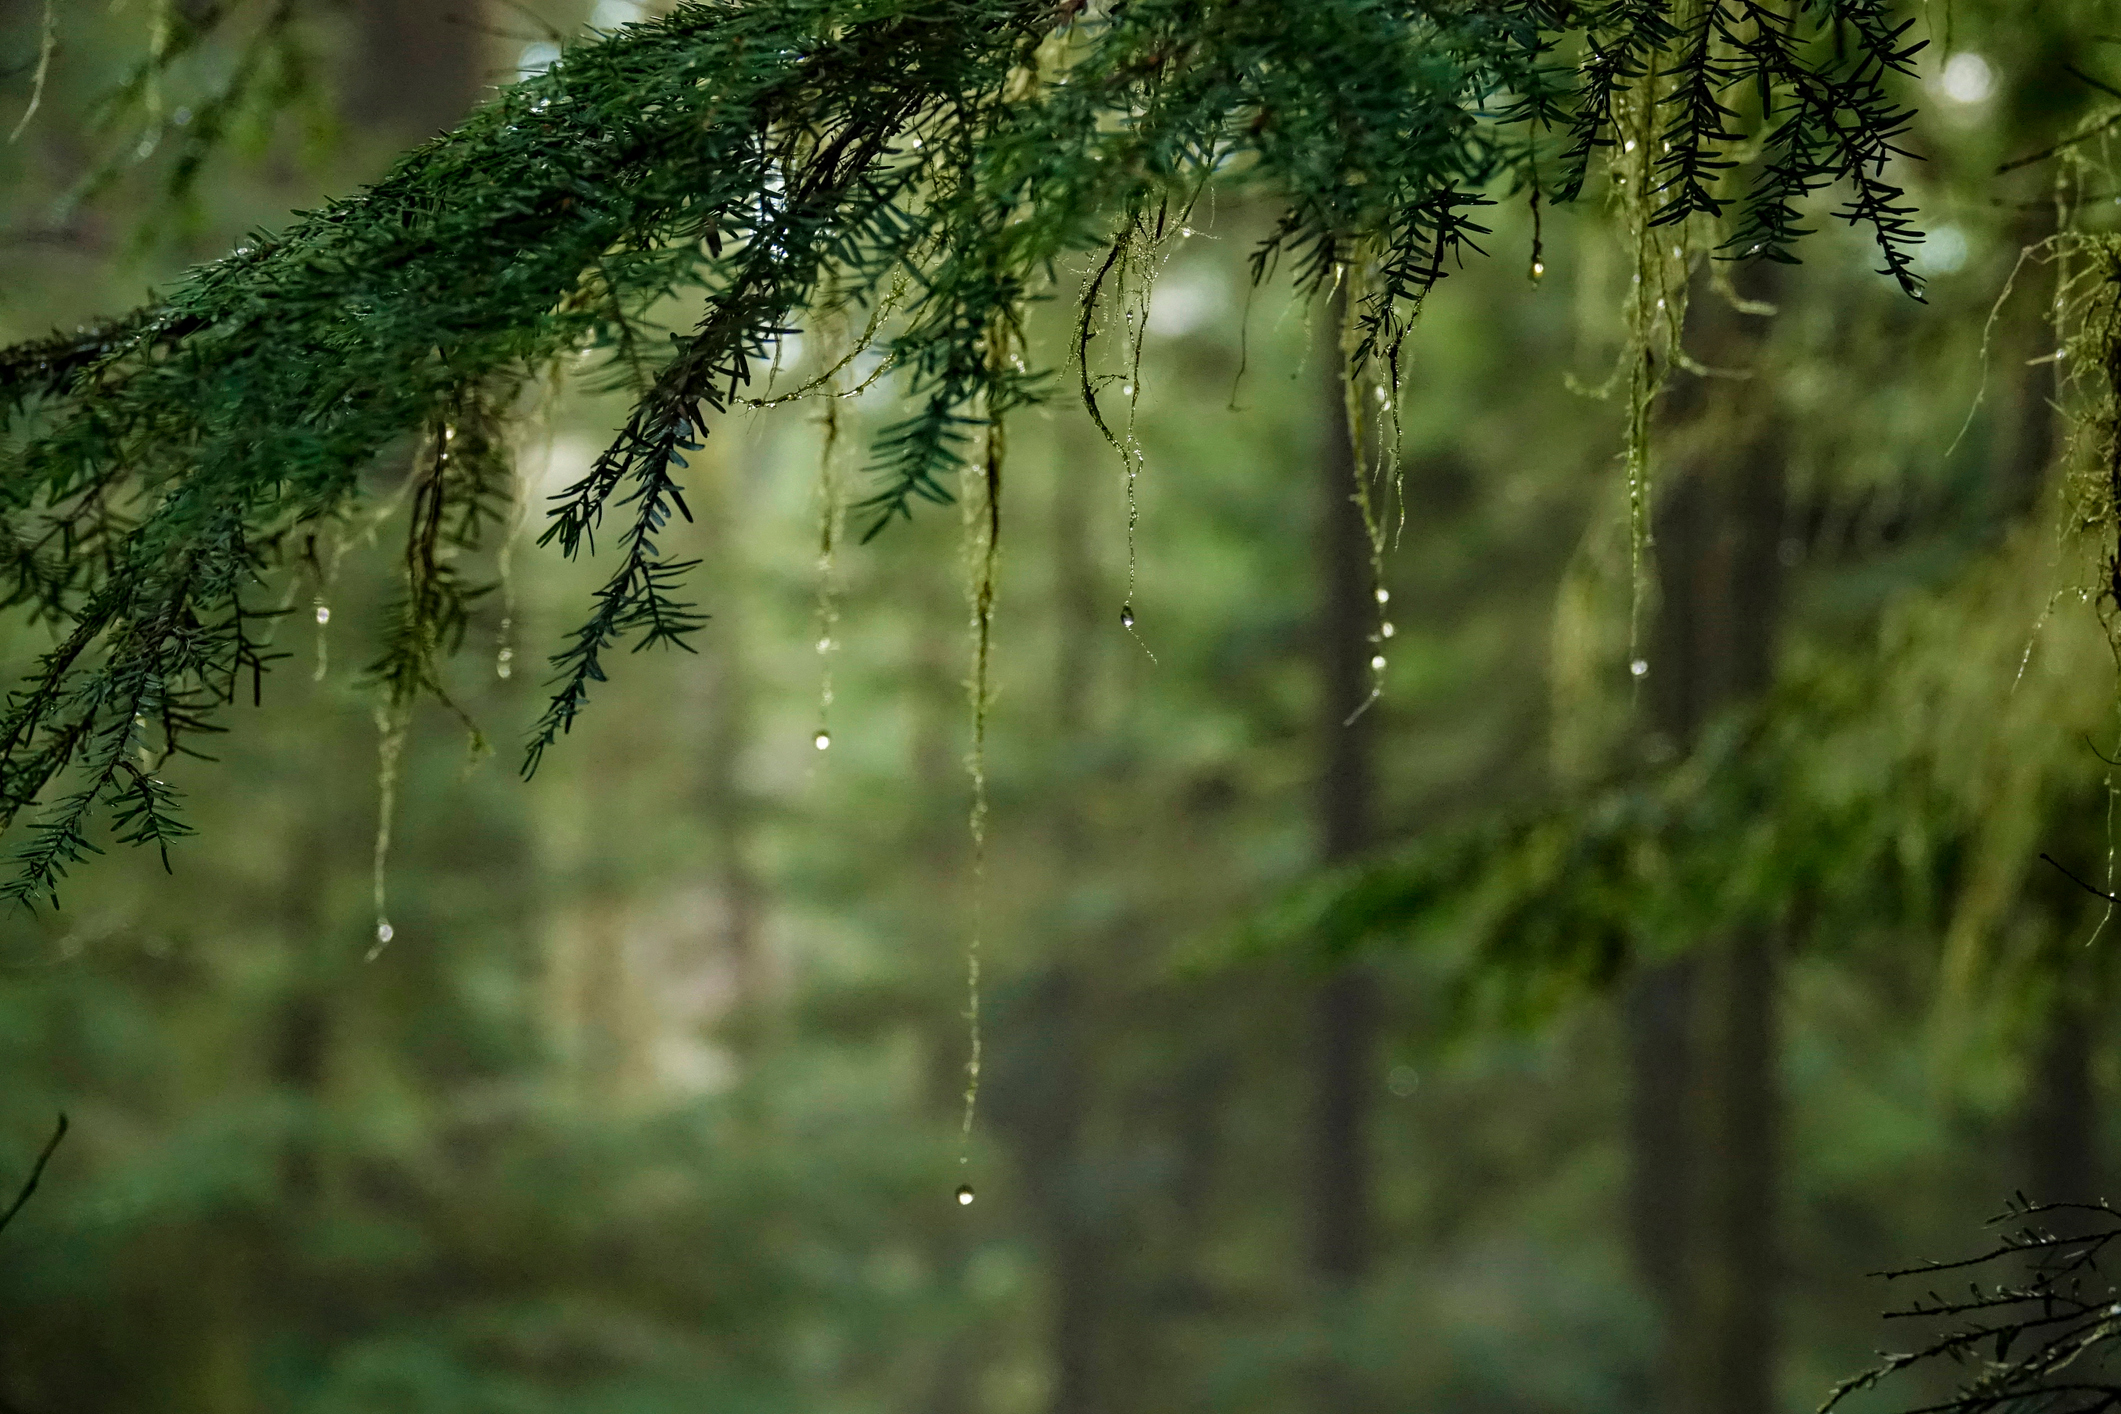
936 674
1344 1020
1702 1044
2061 1119
1080 1268
2059 1127
418 67
1735 1287
724 683
1659 1012
301 1040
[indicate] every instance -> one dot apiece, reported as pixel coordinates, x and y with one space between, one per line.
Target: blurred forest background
1694 994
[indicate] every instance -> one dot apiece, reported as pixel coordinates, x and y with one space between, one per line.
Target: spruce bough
165 477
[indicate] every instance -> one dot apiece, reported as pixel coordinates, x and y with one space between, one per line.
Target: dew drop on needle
1126 616
964 1195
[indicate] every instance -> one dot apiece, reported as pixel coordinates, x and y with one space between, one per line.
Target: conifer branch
157 469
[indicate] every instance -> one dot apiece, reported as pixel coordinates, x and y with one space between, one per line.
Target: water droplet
1377 664
1640 667
323 613
1630 146
1539 268
964 1195
1660 304
822 740
504 664
1126 616
824 645
1386 629
1126 390
1384 596
1185 230
384 932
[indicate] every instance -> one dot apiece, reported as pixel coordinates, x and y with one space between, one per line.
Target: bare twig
36 1172
2100 893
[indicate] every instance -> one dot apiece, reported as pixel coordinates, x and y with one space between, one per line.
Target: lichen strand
831 509
1124 277
1653 314
981 507
1370 387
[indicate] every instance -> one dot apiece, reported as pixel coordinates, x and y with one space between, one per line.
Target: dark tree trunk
1702 1043
938 699
2059 1125
1660 1044
1344 1022
728 717
1735 1290
1080 1265
2061 1116
418 66
299 1046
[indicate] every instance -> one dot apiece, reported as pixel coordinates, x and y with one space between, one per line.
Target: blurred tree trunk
1058 1174
937 608
1659 1009
1702 1044
2061 1122
418 66
300 1045
724 684
1344 1020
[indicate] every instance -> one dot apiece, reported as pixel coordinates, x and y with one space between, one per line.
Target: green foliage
161 470
1903 787
1823 65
